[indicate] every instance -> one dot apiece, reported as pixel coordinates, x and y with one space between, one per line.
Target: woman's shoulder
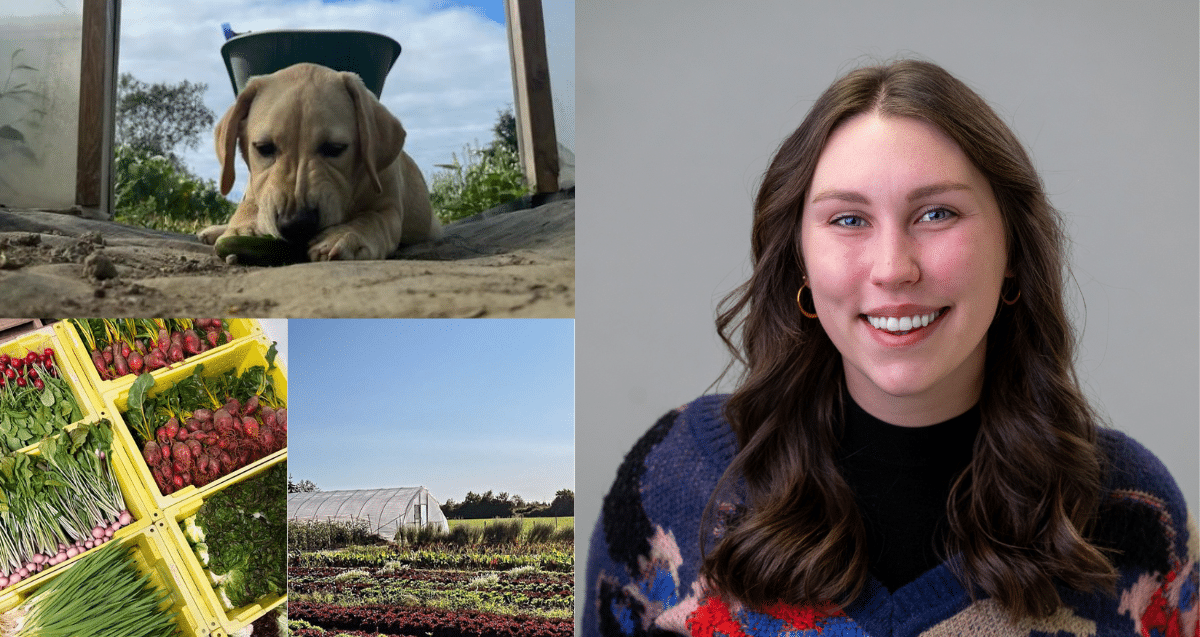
1143 516
644 555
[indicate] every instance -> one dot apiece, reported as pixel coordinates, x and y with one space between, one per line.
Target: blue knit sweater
642 575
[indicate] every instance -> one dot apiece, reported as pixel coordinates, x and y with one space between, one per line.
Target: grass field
526 522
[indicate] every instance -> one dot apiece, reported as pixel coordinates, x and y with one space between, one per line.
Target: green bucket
370 55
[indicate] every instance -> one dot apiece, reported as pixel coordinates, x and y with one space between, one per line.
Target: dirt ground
510 264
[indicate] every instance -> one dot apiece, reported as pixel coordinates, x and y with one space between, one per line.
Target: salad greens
240 535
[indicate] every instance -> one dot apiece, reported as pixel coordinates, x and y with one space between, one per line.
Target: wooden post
93 182
531 89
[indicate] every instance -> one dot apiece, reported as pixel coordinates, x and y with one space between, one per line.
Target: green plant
150 191
502 532
484 179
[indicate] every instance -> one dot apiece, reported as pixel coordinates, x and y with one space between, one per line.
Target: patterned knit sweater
642 575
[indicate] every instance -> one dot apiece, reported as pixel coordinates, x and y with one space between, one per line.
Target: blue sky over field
452 77
454 405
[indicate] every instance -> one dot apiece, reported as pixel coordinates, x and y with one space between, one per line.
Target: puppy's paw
210 234
344 243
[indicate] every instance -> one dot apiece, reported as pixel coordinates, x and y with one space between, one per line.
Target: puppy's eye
266 149
331 150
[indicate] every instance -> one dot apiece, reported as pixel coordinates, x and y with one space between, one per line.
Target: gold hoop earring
800 305
1008 302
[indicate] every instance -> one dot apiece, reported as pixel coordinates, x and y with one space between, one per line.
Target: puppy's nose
300 225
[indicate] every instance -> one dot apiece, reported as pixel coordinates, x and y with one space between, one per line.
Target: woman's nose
895 260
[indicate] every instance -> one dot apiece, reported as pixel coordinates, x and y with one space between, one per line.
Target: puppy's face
315 141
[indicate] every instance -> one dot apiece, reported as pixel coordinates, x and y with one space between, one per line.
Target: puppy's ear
228 130
380 135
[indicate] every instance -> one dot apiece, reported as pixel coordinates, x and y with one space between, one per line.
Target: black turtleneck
901 477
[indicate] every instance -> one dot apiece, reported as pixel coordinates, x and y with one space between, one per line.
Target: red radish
191 342
4 359
156 359
20 381
37 383
151 453
31 358
194 447
182 455
223 419
250 406
31 374
135 362
119 362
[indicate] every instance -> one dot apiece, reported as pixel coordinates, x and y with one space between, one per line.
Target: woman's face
905 252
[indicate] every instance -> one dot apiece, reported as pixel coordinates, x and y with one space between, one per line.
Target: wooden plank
91 105
534 103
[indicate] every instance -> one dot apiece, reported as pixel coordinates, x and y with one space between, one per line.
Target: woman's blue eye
850 221
936 214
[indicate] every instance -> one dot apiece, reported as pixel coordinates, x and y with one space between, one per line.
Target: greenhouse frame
385 510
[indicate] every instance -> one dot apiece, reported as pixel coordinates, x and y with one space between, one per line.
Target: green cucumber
260 250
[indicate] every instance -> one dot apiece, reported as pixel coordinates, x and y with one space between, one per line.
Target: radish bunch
119 347
27 370
101 533
34 400
211 443
59 503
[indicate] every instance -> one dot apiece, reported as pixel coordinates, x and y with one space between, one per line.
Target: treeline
489 505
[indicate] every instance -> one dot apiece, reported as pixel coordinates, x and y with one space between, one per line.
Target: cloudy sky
452 77
453 405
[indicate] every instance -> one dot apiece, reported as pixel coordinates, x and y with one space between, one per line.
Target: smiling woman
908 450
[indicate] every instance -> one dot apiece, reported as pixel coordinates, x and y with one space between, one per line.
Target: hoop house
385 510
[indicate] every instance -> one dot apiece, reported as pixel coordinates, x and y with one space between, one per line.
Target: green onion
102 594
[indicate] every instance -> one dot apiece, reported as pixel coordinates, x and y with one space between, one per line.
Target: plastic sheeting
385 510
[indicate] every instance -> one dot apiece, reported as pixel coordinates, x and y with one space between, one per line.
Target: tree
505 132
161 118
304 486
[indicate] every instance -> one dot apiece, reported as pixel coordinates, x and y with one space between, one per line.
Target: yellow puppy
327 168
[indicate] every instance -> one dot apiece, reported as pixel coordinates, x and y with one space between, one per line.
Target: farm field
442 589
526 523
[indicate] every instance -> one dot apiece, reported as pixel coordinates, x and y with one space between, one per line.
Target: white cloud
451 78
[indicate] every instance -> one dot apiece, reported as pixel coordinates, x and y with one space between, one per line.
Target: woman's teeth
902 324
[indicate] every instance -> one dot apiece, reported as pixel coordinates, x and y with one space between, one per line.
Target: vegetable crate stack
195 455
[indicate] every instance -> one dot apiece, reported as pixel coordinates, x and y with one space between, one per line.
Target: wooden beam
97 95
534 103
91 104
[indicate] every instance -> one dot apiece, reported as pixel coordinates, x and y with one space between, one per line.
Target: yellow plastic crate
143 516
239 329
171 527
152 557
242 356
39 340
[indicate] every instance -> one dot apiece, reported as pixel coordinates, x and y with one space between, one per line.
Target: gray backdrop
683 103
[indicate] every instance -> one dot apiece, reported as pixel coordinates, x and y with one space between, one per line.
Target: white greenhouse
385 510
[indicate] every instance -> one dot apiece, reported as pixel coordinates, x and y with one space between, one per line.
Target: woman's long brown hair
1019 514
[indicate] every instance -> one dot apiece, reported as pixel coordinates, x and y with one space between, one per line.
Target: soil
501 264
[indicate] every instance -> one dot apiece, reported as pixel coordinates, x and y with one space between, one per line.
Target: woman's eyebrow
851 196
841 195
936 189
